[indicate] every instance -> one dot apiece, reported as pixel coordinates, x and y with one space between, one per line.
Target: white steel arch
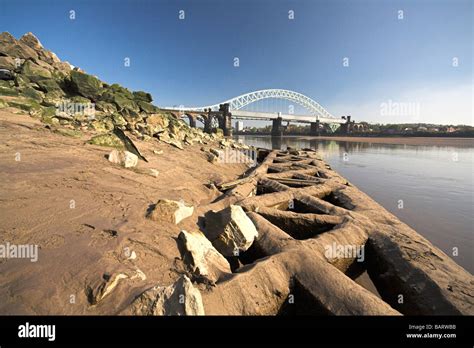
248 98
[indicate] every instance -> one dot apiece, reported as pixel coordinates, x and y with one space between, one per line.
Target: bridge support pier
314 130
277 128
225 122
208 122
346 127
192 120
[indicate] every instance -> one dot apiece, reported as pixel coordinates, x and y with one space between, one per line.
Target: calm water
435 183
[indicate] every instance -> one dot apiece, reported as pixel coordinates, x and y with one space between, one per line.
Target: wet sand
87 214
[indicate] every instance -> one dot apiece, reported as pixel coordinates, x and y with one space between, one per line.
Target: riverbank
115 240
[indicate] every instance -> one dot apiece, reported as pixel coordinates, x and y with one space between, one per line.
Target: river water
430 188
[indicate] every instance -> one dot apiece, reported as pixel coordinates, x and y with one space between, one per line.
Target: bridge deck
252 115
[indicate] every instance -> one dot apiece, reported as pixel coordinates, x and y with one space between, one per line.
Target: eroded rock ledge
322 247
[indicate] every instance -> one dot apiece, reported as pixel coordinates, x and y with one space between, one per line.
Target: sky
378 61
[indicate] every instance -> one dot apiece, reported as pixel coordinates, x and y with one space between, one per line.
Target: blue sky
403 62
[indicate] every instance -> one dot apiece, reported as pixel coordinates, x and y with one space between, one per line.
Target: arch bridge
220 115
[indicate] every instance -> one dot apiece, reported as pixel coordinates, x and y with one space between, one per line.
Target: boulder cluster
65 97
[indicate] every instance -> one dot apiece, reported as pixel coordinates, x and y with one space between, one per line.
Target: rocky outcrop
60 94
170 211
180 298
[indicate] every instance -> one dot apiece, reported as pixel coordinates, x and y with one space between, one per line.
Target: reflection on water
430 188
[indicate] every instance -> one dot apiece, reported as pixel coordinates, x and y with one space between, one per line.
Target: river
429 187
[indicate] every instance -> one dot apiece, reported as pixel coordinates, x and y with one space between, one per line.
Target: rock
158 152
147 107
108 108
8 91
158 120
123 103
180 298
230 230
50 85
7 83
118 120
25 104
102 287
7 63
212 158
32 41
34 72
33 94
124 158
86 85
63 68
53 99
101 126
110 140
142 96
22 81
215 152
176 143
201 257
9 46
154 173
170 211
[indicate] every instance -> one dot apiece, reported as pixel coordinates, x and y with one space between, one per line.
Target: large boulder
180 298
230 230
34 72
170 211
204 261
86 85
124 158
7 63
49 85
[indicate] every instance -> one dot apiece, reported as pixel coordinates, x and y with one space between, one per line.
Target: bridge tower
314 130
277 128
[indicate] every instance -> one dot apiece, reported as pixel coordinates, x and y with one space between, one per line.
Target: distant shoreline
446 141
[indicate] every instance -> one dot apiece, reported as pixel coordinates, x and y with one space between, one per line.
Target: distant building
422 129
239 126
450 129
